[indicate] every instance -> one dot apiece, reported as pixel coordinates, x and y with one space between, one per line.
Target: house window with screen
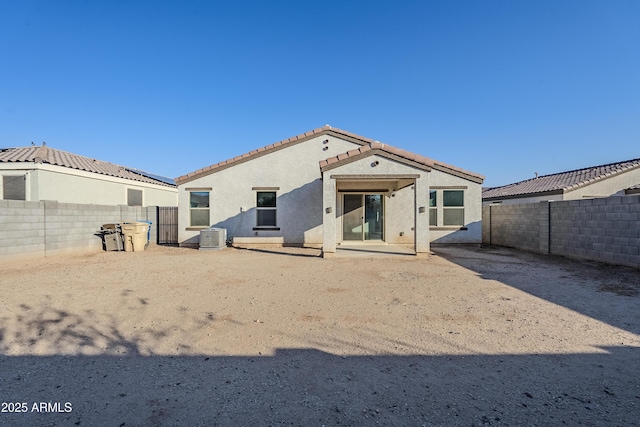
14 187
266 209
433 208
453 207
199 208
134 197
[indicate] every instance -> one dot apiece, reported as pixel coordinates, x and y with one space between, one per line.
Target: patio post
421 226
328 217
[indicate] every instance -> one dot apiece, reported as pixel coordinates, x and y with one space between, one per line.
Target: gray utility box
213 238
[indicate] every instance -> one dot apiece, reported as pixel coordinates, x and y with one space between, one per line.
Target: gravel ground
470 337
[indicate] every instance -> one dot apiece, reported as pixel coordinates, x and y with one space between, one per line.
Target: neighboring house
38 173
633 190
327 187
587 183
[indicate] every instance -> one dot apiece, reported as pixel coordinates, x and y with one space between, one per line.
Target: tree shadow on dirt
566 282
113 377
45 329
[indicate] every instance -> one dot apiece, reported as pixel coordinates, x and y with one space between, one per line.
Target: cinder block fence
606 230
39 229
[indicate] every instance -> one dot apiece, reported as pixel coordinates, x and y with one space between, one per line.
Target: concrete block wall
516 226
39 229
544 219
21 229
605 230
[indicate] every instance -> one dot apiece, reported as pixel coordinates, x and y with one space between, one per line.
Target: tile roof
560 182
399 154
268 149
366 143
44 154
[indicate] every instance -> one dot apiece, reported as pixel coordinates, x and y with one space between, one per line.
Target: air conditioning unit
213 238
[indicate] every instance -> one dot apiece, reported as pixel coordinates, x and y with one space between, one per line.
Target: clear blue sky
502 88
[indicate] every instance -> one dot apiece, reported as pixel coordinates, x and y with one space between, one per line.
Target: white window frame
433 208
441 209
446 208
199 208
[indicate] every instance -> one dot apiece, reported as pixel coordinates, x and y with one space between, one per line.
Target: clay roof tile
366 144
48 155
562 181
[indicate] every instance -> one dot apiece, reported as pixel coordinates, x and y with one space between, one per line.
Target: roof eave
373 152
272 148
369 143
478 179
525 195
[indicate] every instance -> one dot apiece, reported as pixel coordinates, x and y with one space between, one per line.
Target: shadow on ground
125 384
559 280
288 251
111 375
309 387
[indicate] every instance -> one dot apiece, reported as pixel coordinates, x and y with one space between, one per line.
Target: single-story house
329 187
39 173
593 182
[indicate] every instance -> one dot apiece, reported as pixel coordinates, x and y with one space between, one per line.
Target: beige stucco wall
472 209
294 170
399 219
65 185
399 206
399 216
606 187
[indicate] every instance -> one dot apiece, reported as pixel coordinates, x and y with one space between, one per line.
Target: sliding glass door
363 217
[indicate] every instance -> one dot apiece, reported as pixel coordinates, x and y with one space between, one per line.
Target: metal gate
167 225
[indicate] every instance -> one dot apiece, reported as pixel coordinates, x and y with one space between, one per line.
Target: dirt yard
174 337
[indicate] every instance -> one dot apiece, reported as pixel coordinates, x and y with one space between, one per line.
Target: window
199 208
446 207
13 187
134 197
266 209
433 208
453 207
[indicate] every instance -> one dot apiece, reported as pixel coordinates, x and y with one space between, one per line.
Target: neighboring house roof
633 190
368 147
559 183
44 154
